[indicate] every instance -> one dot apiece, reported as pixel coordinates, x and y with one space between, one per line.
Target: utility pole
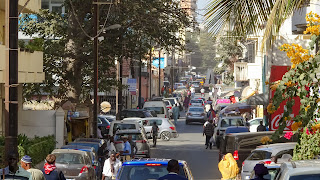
120 88
159 72
150 75
140 66
11 82
95 68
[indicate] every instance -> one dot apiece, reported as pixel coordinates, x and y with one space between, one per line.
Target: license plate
247 177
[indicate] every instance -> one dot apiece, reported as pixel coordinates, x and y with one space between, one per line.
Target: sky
201 6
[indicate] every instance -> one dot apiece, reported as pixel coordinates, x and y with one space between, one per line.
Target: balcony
30 66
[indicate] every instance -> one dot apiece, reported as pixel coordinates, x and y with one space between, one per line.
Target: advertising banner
132 86
155 62
276 74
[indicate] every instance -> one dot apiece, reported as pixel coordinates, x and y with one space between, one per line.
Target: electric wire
77 19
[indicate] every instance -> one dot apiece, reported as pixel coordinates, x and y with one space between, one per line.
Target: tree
67 42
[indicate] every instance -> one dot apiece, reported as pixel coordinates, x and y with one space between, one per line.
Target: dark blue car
139 169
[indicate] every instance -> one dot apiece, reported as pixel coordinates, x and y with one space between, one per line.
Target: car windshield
167 103
69 158
196 109
259 155
196 83
196 101
306 177
135 137
145 172
181 87
231 122
158 110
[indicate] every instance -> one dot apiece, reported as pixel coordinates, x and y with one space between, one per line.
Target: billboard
276 74
155 62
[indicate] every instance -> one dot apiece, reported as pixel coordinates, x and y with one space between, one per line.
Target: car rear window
196 109
135 137
259 155
231 122
69 158
145 172
158 110
123 126
196 101
147 114
171 101
166 102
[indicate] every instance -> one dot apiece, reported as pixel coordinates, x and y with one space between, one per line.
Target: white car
254 123
264 153
167 129
158 106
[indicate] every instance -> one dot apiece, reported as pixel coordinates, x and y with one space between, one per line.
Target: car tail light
173 128
236 155
151 164
170 107
108 127
165 116
190 104
202 104
267 162
242 163
117 142
84 169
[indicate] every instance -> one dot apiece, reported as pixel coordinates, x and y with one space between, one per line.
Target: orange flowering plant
300 81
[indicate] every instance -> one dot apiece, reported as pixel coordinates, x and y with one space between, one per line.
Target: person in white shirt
202 92
110 145
193 91
111 167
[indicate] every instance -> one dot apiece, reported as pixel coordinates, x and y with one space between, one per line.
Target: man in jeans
208 131
154 132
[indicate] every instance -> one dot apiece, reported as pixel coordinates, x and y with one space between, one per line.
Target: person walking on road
175 113
126 149
50 170
111 167
208 131
154 132
193 91
133 145
186 103
173 169
26 164
228 167
211 114
202 92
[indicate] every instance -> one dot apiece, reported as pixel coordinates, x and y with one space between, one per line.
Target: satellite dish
105 106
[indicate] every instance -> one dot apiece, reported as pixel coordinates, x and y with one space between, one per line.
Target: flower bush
301 81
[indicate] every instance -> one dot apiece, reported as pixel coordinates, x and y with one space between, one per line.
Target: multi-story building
30 64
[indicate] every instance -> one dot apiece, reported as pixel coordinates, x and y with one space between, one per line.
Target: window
69 158
134 137
251 51
158 121
120 126
259 155
196 109
158 110
255 122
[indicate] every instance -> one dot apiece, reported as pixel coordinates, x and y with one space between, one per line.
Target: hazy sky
201 5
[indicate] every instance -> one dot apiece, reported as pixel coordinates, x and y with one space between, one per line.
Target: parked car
158 106
223 124
173 101
264 153
296 170
196 102
196 114
75 164
138 136
141 113
169 108
273 170
125 124
95 161
254 123
150 169
104 125
167 129
241 144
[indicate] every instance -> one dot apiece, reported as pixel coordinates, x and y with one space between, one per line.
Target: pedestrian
13 171
110 145
111 167
193 91
175 113
228 167
259 171
173 169
208 131
126 149
26 164
202 92
99 132
211 114
261 127
154 132
133 145
50 170
186 102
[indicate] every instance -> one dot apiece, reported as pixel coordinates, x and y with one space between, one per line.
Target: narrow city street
189 146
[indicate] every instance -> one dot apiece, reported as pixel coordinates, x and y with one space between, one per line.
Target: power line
99 31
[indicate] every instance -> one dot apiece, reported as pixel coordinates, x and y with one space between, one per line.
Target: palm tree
243 17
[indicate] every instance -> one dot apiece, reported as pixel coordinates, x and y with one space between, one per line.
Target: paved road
190 146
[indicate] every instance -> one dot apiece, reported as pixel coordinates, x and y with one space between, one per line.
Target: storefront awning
259 99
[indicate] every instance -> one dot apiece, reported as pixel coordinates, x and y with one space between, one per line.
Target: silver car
167 129
138 137
75 164
264 153
196 102
196 114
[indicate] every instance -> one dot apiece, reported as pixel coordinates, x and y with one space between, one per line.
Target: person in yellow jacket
228 167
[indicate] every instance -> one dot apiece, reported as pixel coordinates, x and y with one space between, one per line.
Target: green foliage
37 148
68 51
309 146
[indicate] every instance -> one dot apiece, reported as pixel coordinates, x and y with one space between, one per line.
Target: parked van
158 106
